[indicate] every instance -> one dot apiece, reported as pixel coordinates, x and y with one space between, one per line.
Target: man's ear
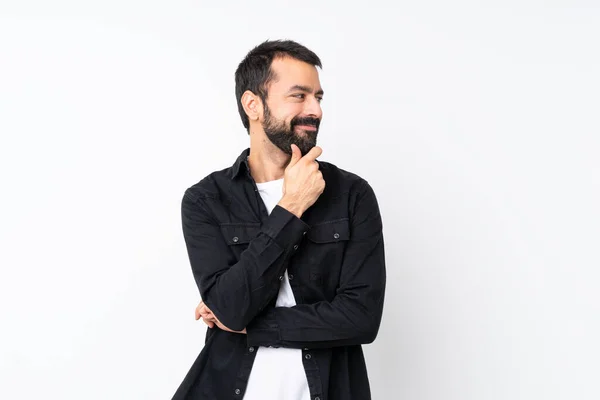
252 105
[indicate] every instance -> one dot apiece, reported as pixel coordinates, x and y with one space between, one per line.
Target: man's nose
313 108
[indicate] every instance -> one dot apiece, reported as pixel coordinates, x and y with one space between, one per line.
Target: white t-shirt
277 373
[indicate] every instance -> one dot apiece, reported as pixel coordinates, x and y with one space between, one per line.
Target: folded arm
236 291
354 315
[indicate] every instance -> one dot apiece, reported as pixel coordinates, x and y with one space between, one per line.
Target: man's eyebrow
306 89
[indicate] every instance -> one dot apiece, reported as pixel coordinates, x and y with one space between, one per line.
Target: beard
282 135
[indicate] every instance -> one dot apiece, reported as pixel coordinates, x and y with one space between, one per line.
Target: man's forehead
291 72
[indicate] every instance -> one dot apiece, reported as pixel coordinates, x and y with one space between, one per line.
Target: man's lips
307 127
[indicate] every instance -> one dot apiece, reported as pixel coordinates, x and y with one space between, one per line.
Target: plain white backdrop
477 126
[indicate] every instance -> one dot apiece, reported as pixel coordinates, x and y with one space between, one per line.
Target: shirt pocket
239 235
326 242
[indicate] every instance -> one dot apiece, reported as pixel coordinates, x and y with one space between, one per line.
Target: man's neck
266 167
267 162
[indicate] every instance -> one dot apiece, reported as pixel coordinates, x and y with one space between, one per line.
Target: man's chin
304 149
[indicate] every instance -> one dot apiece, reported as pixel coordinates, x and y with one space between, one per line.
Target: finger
206 315
313 154
296 155
201 309
204 309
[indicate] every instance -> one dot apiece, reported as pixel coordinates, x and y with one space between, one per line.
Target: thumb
296 155
198 309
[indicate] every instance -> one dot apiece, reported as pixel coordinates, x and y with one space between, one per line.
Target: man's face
292 112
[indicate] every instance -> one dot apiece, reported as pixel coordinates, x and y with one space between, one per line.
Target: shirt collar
240 164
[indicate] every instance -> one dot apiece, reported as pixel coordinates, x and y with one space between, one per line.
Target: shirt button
281 278
291 277
308 356
251 349
336 235
317 398
235 239
238 391
295 247
304 233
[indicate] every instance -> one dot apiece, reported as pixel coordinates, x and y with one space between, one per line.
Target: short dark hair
254 72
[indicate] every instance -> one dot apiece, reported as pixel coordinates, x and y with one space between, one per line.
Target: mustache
309 121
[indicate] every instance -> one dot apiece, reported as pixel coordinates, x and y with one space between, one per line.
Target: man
287 251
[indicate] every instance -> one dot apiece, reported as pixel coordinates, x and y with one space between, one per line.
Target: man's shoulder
341 181
209 186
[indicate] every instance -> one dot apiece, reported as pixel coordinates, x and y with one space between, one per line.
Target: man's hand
303 182
202 311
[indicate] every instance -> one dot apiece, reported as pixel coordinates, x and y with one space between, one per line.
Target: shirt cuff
285 228
263 331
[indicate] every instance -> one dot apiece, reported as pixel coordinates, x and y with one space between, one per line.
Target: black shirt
239 252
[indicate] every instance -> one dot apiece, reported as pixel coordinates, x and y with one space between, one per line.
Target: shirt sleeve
237 291
354 315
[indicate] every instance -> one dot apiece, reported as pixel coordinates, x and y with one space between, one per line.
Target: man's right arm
237 291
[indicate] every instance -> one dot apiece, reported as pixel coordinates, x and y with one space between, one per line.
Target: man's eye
299 96
319 99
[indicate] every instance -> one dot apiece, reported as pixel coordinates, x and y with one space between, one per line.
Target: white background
478 128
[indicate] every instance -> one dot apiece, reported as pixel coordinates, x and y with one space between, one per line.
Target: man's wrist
291 206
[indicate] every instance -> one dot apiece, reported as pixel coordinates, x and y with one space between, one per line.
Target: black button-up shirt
239 252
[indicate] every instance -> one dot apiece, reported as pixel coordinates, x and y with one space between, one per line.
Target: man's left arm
354 315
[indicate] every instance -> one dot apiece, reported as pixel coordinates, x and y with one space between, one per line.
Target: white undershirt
277 373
